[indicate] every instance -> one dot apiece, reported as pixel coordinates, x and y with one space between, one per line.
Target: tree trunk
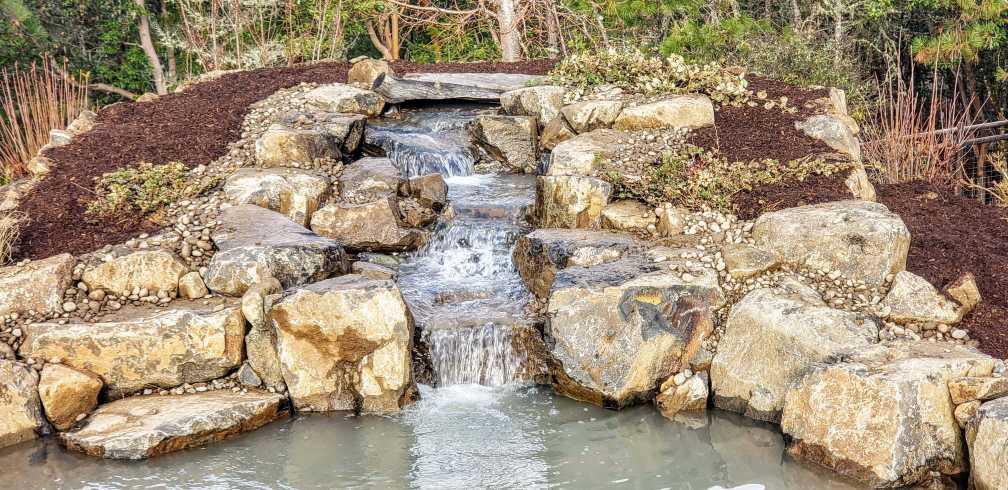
510 43
147 44
377 43
172 75
795 14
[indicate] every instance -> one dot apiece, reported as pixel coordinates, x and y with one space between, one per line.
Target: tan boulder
567 201
680 111
629 215
980 388
834 131
772 338
153 270
191 286
375 226
430 189
513 140
590 115
37 286
883 415
913 299
338 97
582 154
21 416
294 193
261 349
146 426
542 101
345 344
964 290
671 219
284 145
255 304
744 261
964 412
555 132
67 394
367 70
986 433
862 240
369 179
860 185
164 349
621 328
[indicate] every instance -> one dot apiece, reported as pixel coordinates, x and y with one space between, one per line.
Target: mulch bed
193 127
813 190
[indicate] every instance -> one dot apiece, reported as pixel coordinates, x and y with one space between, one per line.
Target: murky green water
457 437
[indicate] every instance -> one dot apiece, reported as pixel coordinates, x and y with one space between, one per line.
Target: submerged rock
619 329
883 415
539 255
294 193
772 339
164 349
681 111
255 243
512 140
687 395
153 270
567 201
862 240
67 393
20 408
346 344
37 286
146 426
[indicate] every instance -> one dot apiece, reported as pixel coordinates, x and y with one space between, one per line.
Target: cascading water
465 294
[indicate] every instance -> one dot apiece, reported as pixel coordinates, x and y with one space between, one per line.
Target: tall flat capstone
145 426
165 349
255 243
617 330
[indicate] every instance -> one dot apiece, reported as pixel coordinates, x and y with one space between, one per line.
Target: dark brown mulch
951 235
193 127
813 190
746 133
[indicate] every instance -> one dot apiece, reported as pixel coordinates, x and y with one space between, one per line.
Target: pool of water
462 436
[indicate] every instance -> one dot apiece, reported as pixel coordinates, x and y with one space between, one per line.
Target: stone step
146 426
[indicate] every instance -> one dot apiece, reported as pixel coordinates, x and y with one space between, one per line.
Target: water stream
485 425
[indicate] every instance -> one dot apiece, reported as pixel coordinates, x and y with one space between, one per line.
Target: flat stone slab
502 82
145 426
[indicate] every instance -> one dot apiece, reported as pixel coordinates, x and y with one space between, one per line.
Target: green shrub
145 188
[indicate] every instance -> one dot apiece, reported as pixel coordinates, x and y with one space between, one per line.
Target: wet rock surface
21 416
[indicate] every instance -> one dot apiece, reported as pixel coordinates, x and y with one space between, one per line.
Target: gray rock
368 180
338 97
512 140
501 82
21 416
542 101
248 377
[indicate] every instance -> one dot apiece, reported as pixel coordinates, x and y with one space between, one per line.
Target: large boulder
374 226
346 344
569 201
429 190
617 330
283 145
368 180
539 255
21 416
542 101
986 434
772 339
509 139
883 415
291 192
590 115
555 132
629 215
582 154
146 426
36 286
680 111
153 270
164 349
338 97
913 299
366 71
255 243
67 394
862 240
834 131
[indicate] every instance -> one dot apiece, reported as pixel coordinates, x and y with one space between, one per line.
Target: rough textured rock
191 286
567 201
398 90
255 303
982 388
688 396
883 416
373 271
261 349
375 226
414 214
430 189
987 432
681 111
255 243
367 70
67 393
294 193
146 426
21 416
502 82
863 240
368 180
772 339
37 286
542 101
153 270
590 115
745 261
671 219
628 215
860 185
581 154
833 131
539 255
964 290
283 145
509 139
619 329
556 131
164 349
913 299
338 97
345 344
